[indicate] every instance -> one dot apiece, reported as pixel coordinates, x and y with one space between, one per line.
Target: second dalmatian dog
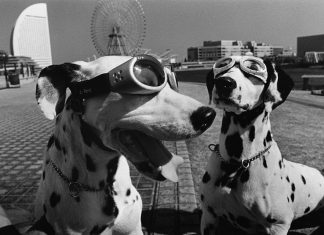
248 182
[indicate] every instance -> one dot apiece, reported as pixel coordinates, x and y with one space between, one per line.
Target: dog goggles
141 75
249 64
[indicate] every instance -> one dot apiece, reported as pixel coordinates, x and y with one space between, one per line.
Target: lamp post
4 60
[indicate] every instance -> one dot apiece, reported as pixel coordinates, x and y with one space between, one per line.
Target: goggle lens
223 63
148 74
253 65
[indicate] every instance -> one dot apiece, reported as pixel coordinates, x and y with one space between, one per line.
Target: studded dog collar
245 163
74 187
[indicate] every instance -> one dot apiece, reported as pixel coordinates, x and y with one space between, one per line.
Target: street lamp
4 60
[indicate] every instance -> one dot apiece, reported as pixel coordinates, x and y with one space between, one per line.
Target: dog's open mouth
148 154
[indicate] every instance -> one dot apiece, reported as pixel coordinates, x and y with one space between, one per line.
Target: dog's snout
224 86
202 118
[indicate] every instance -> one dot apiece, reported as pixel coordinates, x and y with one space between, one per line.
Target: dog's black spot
239 97
74 174
245 176
64 150
293 187
111 171
57 143
230 167
288 199
101 184
268 137
252 133
128 192
307 210
234 145
211 211
280 165
265 116
202 197
271 220
246 118
54 199
243 222
292 197
89 163
264 142
98 229
287 178
50 141
206 178
265 162
43 174
110 208
308 195
226 123
303 179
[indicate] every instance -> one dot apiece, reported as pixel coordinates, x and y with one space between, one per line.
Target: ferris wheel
118 27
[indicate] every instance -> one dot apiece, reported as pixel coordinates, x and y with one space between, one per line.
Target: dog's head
133 124
241 83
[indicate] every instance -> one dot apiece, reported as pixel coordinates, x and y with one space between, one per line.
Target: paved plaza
24 134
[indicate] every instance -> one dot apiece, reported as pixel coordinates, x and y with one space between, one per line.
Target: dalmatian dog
85 186
247 182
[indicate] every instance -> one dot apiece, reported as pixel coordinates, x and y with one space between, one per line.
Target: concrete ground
169 208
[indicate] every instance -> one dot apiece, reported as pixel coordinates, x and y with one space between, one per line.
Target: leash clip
245 164
75 189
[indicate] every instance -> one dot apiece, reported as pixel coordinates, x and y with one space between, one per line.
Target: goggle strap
92 87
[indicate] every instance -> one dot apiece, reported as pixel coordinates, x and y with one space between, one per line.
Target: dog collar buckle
75 188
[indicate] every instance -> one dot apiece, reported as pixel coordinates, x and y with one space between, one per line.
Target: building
31 37
213 50
306 44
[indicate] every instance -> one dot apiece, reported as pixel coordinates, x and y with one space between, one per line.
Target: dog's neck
76 149
245 135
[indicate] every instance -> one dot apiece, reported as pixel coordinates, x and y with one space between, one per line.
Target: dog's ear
210 84
51 87
280 85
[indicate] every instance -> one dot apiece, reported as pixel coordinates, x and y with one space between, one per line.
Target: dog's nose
202 118
224 86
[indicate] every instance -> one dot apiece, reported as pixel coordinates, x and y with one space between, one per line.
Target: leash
245 163
74 187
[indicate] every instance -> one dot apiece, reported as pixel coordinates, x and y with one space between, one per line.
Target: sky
176 24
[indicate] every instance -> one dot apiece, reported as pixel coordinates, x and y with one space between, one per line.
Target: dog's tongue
155 152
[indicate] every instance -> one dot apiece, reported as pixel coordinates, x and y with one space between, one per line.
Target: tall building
31 37
314 43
